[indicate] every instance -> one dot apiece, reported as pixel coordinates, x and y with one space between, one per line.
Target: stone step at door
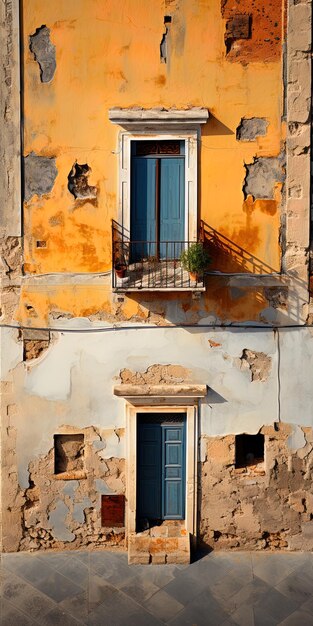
144 549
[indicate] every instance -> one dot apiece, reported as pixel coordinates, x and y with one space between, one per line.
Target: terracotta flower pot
120 271
194 276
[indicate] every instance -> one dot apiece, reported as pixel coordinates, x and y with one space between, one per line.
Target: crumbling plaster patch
257 363
251 128
268 507
40 173
44 53
262 176
78 182
61 513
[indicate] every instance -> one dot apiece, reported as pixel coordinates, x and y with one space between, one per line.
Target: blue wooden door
143 208
172 206
173 467
157 206
160 468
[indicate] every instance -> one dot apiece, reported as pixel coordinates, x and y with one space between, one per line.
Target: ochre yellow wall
108 54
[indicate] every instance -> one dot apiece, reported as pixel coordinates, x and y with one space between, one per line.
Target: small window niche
249 450
69 456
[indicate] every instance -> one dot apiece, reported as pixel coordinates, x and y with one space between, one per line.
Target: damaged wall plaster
63 513
35 343
164 45
258 363
156 375
44 53
277 297
68 453
266 506
237 27
251 128
39 175
78 182
262 42
262 175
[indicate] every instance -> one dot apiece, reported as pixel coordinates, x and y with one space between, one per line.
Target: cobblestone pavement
99 588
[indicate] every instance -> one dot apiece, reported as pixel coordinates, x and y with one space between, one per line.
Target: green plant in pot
195 259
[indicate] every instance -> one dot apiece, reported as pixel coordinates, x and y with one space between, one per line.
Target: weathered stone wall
264 506
295 230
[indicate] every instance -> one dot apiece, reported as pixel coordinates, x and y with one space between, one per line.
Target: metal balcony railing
150 265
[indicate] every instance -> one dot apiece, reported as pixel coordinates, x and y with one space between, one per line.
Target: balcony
150 265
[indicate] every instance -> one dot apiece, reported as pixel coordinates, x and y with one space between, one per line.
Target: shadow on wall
227 256
215 127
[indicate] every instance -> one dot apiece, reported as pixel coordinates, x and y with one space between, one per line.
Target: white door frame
191 462
190 138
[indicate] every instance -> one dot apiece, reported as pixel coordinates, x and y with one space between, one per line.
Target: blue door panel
172 205
161 471
149 471
143 208
173 500
171 225
173 472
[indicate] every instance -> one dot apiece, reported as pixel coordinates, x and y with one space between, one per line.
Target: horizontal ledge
153 391
155 116
156 289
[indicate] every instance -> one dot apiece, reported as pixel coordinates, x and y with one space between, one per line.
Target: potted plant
195 259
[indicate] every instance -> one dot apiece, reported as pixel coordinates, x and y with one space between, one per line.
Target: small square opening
249 450
68 453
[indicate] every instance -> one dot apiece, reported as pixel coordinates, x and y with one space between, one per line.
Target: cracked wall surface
268 506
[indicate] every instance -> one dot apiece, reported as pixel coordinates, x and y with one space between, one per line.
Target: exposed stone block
262 176
39 175
44 53
251 128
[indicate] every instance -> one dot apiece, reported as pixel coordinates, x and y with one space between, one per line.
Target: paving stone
298 618
30 567
139 588
76 571
163 606
275 567
185 587
121 611
202 611
159 575
57 617
277 605
77 606
58 587
249 595
11 616
100 591
296 587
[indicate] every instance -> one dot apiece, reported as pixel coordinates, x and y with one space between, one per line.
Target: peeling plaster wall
69 390
266 506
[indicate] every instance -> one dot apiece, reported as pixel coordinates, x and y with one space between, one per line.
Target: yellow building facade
152 132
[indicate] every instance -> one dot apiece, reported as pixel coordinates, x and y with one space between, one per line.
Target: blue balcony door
161 467
157 206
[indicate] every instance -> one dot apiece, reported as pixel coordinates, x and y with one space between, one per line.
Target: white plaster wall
72 384
296 375
11 351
